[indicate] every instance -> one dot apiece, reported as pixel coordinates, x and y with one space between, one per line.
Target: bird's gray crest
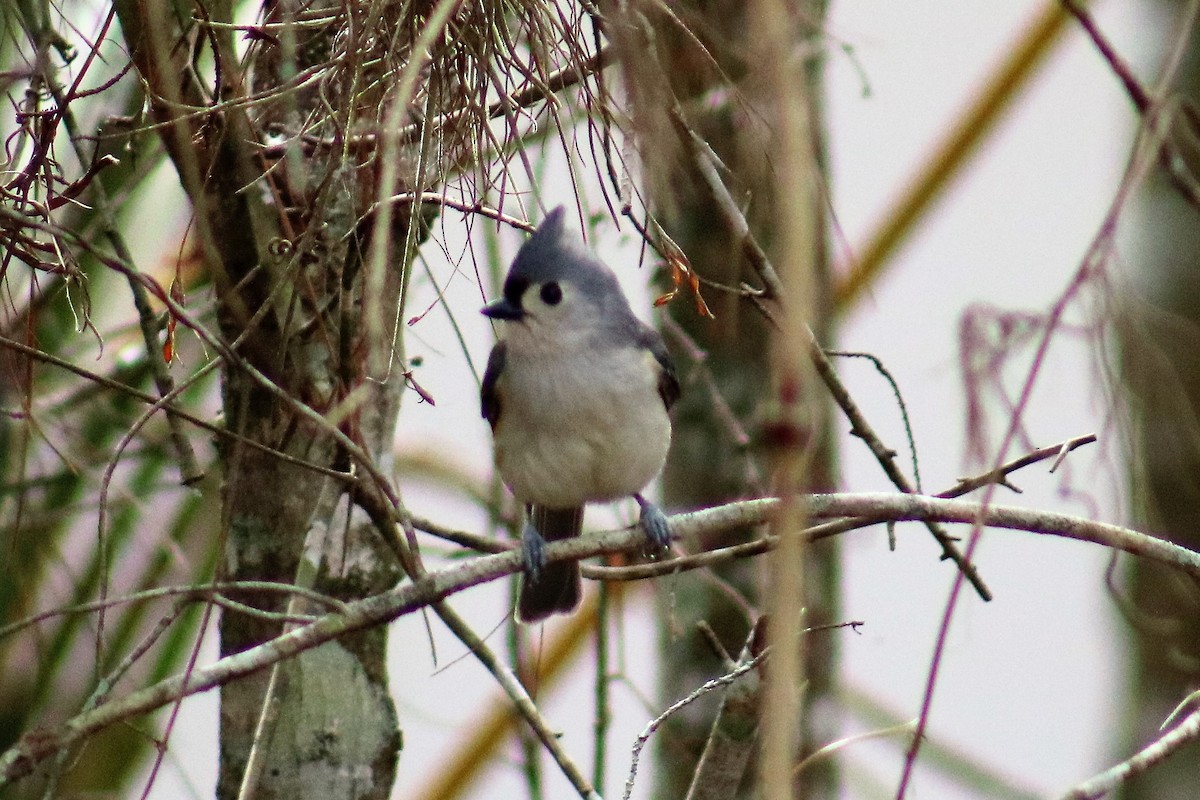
555 253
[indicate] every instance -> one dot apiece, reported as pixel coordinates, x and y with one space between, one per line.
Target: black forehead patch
514 288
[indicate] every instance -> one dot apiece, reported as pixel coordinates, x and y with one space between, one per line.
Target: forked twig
656 723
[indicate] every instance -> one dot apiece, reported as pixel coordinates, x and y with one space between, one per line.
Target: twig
386 524
734 731
859 426
1091 264
722 555
182 413
477 207
527 96
904 729
519 697
469 539
1140 97
1166 745
104 685
378 481
720 406
169 393
887 460
1169 157
602 713
194 593
903 407
706 162
189 471
1000 475
709 686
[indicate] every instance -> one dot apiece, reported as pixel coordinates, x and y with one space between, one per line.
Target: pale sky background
1030 682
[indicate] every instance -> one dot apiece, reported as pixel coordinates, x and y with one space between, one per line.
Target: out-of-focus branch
179 411
1169 156
951 155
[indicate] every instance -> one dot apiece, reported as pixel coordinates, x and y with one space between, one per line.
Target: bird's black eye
551 293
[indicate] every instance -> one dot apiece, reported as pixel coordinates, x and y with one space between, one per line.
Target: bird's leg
533 547
654 523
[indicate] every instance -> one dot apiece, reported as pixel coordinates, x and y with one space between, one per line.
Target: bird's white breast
581 426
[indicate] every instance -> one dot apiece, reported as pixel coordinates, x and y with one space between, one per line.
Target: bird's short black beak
503 309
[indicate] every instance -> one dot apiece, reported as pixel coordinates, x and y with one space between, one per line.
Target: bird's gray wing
489 392
668 382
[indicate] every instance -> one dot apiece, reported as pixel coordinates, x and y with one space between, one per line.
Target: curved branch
1166 745
867 509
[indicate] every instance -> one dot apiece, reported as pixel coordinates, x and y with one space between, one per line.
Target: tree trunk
1160 366
713 456
285 253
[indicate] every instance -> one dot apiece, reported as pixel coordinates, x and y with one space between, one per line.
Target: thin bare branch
867 509
859 426
1186 732
182 413
656 723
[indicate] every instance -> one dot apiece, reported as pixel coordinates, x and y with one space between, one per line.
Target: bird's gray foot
654 523
533 548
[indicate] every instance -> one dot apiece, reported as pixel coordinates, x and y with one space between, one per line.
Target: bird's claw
533 553
654 523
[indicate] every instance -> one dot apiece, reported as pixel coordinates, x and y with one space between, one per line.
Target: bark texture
283 241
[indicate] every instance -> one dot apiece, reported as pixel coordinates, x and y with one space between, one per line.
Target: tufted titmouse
577 393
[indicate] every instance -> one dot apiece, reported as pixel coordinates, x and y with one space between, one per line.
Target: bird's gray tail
556 589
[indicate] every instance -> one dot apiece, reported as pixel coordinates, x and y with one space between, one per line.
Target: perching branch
721 555
867 509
